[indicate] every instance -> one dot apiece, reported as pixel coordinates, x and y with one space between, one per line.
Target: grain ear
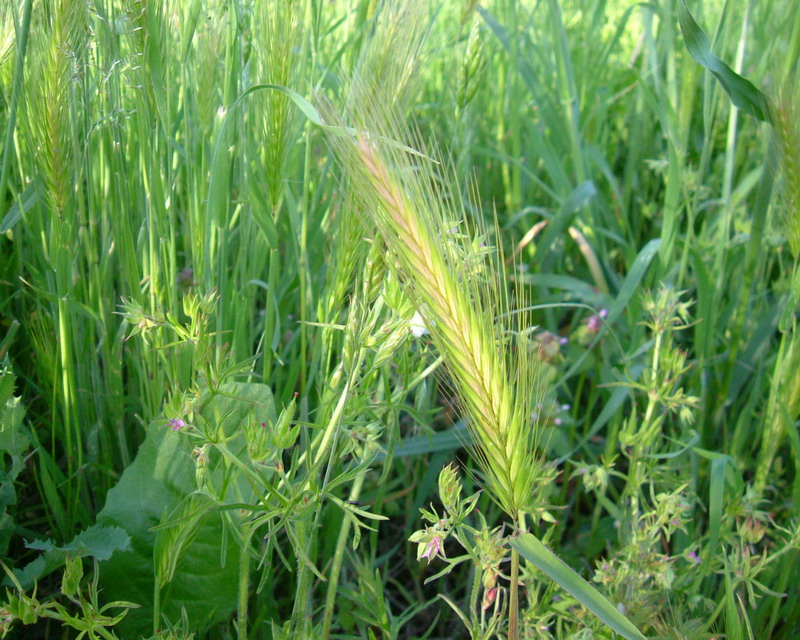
456 281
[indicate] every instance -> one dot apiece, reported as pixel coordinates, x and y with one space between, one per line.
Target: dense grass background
150 187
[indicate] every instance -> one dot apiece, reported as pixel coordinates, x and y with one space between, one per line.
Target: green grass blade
629 287
531 548
733 624
27 199
716 493
580 197
741 91
631 283
16 88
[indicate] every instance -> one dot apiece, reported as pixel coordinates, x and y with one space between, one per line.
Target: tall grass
533 238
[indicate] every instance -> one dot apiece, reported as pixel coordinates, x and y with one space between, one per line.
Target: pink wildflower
595 323
433 548
176 424
489 597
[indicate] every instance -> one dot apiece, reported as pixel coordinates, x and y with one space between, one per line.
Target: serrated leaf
13 439
97 541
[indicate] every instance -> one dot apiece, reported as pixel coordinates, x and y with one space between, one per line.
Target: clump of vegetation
399 319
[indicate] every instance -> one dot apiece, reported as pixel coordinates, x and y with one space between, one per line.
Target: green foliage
181 543
84 612
99 542
14 442
742 93
534 551
269 267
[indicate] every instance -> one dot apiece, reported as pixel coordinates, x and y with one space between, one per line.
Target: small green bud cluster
430 540
266 440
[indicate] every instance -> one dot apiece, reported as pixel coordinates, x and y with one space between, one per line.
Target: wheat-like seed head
456 285
786 123
58 43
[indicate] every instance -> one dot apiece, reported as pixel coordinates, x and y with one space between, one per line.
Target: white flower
417 325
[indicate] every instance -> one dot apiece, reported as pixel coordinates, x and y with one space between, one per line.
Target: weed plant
399 319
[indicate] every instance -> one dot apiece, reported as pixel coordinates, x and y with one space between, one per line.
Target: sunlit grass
586 301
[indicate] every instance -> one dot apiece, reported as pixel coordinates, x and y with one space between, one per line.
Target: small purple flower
562 341
176 424
433 548
595 322
185 278
692 555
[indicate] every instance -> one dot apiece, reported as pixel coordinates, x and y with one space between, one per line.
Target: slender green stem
301 612
244 583
513 601
156 604
338 557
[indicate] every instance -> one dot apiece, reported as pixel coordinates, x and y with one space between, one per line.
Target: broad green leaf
161 477
13 439
741 91
97 541
532 549
716 494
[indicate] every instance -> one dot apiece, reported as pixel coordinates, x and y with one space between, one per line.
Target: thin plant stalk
338 557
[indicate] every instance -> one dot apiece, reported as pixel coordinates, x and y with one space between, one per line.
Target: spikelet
456 284
786 120
58 44
280 44
392 53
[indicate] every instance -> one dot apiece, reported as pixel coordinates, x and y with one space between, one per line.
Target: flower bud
73 572
450 489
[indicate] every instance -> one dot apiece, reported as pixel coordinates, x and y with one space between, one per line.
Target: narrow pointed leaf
740 90
532 549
